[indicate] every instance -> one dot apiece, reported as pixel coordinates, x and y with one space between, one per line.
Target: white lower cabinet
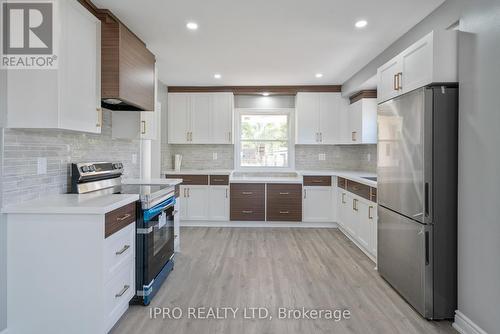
194 204
218 208
317 204
357 217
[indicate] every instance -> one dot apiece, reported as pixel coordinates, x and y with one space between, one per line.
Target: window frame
290 112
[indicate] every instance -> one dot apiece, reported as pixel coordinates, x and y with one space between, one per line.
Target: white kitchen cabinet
178 118
317 204
68 97
149 123
221 119
194 204
317 118
363 121
362 227
218 207
136 124
200 118
432 59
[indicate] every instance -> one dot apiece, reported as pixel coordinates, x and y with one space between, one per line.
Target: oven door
159 242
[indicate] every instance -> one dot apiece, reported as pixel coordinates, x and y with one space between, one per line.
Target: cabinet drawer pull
122 292
247 192
123 250
122 218
247 211
218 180
370 212
286 193
284 212
317 181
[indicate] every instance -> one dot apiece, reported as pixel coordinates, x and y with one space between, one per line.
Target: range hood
117 104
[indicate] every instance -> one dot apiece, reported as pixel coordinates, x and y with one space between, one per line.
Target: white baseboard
466 326
204 223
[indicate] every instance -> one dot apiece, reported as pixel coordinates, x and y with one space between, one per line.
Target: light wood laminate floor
272 268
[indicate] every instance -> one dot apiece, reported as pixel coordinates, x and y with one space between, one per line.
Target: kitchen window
264 139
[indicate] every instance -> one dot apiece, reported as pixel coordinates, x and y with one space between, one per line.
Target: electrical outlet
322 157
41 166
214 156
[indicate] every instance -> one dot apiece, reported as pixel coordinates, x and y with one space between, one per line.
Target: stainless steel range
154 225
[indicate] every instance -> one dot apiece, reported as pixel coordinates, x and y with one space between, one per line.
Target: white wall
479 142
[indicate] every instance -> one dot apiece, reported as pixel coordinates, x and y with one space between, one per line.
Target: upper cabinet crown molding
256 90
432 59
68 97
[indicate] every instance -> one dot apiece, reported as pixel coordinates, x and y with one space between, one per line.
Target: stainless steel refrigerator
417 198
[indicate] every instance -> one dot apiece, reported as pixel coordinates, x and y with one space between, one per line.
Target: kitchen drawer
284 202
119 251
117 294
341 182
325 181
359 189
219 180
247 201
118 219
190 179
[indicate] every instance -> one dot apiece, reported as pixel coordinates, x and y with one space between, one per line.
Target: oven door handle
154 211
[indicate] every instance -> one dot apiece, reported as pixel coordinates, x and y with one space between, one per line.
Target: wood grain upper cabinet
128 68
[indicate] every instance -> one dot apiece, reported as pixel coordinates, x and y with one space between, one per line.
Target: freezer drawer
404 258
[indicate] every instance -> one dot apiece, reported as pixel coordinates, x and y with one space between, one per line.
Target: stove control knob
84 169
92 168
120 165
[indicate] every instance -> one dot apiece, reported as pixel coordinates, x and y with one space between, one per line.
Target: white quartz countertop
199 172
72 204
351 175
154 182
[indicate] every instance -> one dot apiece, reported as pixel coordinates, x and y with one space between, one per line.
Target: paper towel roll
178 162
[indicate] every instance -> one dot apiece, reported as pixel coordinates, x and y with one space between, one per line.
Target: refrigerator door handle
426 199
426 248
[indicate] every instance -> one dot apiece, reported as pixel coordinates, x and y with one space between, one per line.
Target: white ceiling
266 42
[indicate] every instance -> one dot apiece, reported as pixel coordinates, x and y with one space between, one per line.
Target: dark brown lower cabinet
247 201
284 202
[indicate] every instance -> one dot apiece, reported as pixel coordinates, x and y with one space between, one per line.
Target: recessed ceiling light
217 76
192 25
319 75
265 94
361 24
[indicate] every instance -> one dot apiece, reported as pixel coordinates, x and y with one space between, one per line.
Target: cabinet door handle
287 193
284 212
189 192
355 204
187 136
343 198
370 212
229 135
305 194
394 82
321 137
247 211
353 136
400 80
123 250
226 193
184 193
143 127
99 117
247 192
122 292
122 218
